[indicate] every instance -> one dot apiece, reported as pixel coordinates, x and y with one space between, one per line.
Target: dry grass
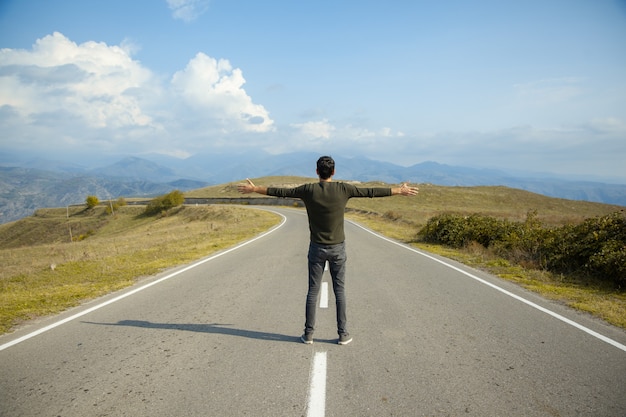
54 274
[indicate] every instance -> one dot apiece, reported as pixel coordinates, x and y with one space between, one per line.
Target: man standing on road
325 203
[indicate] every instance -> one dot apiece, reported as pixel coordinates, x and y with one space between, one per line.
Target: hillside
497 201
29 184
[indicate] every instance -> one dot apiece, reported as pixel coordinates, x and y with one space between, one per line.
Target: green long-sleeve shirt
325 205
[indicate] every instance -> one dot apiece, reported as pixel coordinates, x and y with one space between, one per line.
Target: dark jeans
336 257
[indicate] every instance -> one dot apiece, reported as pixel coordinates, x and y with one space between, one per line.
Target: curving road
221 338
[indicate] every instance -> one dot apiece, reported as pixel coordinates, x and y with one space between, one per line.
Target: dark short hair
325 167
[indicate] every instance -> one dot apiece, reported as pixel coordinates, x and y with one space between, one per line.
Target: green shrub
524 242
486 230
595 247
165 202
446 229
92 201
113 207
458 231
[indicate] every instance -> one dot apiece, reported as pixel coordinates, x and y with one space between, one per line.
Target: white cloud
96 96
323 129
215 89
606 125
550 91
320 129
187 10
326 137
91 81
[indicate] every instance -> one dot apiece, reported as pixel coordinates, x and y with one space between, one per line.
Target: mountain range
28 184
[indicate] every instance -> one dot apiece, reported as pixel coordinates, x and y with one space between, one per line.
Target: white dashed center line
324 296
317 393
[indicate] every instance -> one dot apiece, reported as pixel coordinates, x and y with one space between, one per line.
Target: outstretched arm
404 189
251 188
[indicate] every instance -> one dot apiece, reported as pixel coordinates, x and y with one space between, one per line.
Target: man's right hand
246 188
251 188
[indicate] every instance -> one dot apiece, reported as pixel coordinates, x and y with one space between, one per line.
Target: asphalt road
221 338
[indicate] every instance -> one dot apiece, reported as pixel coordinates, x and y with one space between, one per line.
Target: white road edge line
317 386
324 297
502 290
143 287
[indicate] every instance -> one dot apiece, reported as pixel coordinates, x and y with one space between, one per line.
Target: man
325 203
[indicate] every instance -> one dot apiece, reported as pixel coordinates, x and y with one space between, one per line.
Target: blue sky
517 85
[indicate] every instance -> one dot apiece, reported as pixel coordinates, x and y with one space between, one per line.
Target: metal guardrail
254 201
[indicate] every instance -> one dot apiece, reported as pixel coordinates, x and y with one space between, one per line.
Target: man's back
325 203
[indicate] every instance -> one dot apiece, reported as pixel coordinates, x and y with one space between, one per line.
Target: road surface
221 338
